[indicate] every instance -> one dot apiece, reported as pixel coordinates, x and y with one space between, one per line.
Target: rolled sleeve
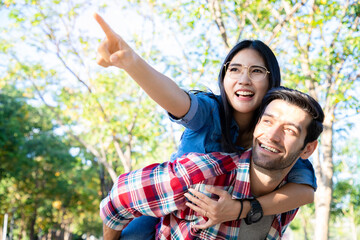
203 110
110 215
194 104
303 173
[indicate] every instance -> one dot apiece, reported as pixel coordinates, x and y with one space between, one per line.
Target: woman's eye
257 70
233 69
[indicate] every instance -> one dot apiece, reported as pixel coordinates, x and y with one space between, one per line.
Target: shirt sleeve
158 190
303 173
203 106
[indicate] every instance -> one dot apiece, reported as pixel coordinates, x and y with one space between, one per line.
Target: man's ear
309 149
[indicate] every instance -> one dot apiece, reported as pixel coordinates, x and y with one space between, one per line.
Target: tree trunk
324 174
32 225
353 222
304 225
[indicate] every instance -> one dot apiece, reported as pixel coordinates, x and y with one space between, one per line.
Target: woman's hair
226 111
303 101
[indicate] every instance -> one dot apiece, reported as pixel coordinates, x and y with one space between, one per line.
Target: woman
214 123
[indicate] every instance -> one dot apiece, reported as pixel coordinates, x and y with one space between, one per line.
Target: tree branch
215 9
288 16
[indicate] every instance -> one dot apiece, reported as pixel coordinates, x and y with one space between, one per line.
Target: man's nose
274 133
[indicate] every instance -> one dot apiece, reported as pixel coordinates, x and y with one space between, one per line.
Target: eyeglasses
255 73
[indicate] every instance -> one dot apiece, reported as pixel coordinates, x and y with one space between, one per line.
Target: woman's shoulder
206 96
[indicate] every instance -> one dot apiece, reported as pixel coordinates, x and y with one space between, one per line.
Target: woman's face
244 94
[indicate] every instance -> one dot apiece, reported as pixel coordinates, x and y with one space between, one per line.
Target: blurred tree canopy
70 127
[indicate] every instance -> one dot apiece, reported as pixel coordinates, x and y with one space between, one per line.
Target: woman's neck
244 122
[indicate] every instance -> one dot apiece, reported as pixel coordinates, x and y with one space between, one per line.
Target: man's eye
291 131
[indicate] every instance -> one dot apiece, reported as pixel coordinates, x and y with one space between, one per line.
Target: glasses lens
257 73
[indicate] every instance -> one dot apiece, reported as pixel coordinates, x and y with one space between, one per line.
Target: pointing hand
113 50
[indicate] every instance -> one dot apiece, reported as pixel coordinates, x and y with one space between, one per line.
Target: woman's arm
114 51
110 234
287 198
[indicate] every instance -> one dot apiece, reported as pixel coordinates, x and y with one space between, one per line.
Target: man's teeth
269 148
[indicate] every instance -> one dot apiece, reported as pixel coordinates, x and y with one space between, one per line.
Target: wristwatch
255 214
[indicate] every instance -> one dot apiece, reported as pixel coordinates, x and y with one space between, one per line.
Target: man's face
279 136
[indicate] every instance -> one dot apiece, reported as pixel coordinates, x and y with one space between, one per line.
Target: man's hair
303 101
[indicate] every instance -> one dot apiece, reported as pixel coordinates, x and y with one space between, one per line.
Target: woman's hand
113 50
217 211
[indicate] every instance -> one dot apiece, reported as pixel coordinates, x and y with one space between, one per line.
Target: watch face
256 217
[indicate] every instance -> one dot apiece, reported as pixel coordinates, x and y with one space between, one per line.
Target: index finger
200 195
105 27
217 191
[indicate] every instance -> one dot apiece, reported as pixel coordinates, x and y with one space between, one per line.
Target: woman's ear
309 149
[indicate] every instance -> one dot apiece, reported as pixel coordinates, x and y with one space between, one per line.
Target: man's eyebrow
286 123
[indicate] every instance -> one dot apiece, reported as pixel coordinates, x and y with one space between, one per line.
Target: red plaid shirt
158 190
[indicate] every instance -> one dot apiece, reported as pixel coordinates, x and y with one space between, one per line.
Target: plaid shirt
158 190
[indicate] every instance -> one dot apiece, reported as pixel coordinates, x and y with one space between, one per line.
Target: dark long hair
226 111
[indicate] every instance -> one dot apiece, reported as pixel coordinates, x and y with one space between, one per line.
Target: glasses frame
248 72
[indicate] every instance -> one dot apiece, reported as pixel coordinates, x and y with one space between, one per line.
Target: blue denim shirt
203 135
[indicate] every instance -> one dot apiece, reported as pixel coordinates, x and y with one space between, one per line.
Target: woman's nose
243 77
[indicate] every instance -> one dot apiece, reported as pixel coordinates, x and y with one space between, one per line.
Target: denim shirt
203 135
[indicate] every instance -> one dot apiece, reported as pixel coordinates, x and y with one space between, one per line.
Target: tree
43 186
326 41
106 113
346 193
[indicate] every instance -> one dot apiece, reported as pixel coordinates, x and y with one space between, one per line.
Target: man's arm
110 234
158 190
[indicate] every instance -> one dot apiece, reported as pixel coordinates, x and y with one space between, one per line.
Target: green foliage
39 176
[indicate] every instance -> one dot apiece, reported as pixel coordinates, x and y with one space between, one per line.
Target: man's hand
217 211
110 234
113 50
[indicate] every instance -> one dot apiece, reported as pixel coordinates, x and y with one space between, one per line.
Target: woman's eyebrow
240 65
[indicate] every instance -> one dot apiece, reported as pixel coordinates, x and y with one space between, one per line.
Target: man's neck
263 181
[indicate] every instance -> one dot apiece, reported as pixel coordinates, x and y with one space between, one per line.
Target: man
289 125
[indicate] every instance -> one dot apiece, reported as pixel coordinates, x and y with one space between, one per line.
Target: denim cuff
194 104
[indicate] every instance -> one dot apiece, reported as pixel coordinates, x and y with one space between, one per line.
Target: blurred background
68 127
